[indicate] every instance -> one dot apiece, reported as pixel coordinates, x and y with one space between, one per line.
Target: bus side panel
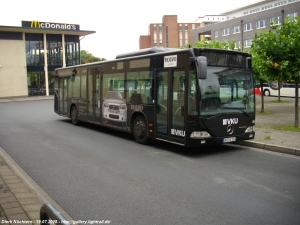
81 105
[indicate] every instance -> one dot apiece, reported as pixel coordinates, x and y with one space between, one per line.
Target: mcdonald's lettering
57 26
35 24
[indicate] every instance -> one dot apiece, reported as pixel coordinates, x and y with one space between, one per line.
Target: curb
24 99
268 147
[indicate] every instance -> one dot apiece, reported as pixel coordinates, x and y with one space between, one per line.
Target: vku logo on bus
230 121
180 133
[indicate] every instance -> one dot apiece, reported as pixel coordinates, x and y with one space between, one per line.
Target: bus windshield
227 90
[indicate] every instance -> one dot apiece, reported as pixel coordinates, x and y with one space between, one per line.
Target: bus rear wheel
140 130
74 116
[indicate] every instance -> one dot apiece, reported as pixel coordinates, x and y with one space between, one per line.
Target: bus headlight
249 130
200 134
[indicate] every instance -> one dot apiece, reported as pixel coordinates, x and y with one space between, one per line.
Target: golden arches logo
35 24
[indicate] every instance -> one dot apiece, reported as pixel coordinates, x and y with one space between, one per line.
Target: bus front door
170 106
94 94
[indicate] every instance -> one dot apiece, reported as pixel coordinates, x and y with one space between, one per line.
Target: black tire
140 130
74 116
266 93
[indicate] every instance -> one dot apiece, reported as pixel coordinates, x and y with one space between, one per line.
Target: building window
186 27
292 16
154 28
167 36
11 35
280 3
54 45
236 29
248 43
180 27
260 24
225 32
72 50
248 26
160 29
254 10
266 7
193 26
34 52
275 20
155 44
237 45
216 33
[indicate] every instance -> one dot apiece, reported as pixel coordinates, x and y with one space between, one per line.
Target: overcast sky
118 23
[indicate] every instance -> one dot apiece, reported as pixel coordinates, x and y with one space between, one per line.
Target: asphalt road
98 174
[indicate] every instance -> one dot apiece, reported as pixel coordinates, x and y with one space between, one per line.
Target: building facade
168 34
241 24
30 53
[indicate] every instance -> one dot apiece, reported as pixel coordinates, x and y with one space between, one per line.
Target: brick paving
18 203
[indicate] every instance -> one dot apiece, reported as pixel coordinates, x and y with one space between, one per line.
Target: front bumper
197 142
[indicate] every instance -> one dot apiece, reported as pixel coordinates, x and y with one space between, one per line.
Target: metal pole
46 64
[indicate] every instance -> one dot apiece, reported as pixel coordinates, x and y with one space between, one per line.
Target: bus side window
140 83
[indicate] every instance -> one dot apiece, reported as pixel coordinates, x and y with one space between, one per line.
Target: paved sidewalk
20 203
17 201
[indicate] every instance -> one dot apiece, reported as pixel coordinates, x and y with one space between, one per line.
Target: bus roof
146 51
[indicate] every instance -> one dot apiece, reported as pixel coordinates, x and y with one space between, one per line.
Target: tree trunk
296 104
262 110
278 91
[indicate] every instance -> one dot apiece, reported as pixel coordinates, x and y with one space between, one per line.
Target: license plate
231 139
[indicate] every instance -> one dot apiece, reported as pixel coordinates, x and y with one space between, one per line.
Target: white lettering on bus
230 121
137 108
180 133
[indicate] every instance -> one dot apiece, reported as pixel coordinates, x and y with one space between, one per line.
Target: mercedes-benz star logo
230 129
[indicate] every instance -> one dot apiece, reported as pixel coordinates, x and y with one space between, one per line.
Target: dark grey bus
190 97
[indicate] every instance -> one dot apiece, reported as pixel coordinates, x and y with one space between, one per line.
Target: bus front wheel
140 130
74 116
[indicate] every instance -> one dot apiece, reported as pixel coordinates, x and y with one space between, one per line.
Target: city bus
189 97
287 89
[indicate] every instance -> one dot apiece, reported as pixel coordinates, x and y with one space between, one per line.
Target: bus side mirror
202 67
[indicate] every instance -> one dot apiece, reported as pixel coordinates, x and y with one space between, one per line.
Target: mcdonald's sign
35 24
47 25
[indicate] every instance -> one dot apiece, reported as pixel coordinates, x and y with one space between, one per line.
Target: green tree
215 44
278 54
260 74
87 57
